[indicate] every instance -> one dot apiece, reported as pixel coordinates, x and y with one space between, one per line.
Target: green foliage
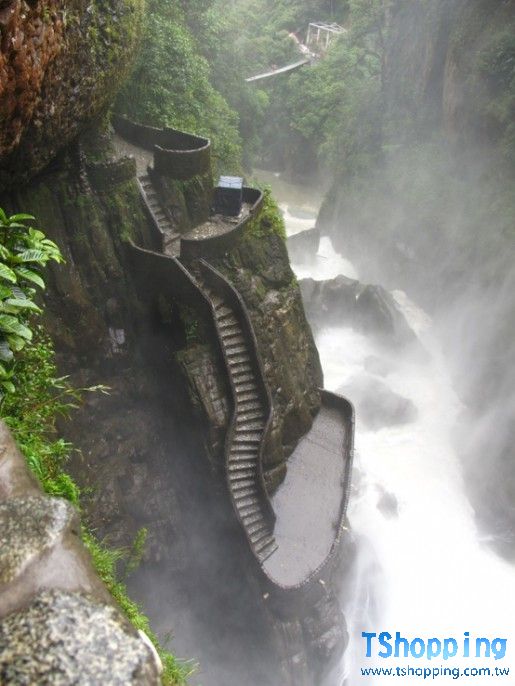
269 221
39 397
170 85
24 251
319 117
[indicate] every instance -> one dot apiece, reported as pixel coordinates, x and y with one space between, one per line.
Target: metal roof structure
325 26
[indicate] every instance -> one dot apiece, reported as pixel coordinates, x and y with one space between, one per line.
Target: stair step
240 367
251 416
258 538
267 550
247 396
224 311
247 406
231 329
243 388
232 337
255 421
244 439
248 501
244 433
245 477
256 527
242 377
249 510
240 451
236 349
245 425
242 466
239 359
255 519
244 492
263 543
247 454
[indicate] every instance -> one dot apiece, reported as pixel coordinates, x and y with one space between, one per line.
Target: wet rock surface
61 64
28 528
367 308
259 268
58 623
303 243
70 638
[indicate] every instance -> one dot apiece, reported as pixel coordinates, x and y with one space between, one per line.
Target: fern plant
24 251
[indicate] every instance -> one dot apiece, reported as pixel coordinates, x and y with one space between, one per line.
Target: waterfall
421 568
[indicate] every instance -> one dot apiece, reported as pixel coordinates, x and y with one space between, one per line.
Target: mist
454 255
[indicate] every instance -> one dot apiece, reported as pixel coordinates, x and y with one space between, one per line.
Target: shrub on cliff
171 86
23 252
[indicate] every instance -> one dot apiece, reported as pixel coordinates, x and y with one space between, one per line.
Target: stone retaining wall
215 246
177 154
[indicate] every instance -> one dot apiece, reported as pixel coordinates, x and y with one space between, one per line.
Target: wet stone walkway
144 158
217 225
308 503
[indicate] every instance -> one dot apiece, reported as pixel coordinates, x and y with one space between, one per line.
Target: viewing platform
295 534
310 504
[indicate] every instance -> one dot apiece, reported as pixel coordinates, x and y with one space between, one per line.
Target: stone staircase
243 447
171 239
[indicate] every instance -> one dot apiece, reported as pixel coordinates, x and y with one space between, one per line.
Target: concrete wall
177 154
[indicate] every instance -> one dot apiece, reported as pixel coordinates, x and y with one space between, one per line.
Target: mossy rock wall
61 64
259 268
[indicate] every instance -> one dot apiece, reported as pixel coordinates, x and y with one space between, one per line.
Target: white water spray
421 567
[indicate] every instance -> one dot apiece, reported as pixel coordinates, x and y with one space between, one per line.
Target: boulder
367 308
71 638
58 622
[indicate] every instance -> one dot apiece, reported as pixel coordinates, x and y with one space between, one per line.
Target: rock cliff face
259 268
60 65
54 611
446 63
143 447
435 215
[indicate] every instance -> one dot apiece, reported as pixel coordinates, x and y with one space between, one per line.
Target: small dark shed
229 196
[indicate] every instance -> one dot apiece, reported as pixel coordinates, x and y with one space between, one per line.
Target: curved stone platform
177 154
308 504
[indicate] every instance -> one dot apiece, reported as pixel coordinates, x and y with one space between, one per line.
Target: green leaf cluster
24 252
171 83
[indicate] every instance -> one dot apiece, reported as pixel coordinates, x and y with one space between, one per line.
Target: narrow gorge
256 293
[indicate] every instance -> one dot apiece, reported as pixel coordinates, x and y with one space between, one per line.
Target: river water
421 567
